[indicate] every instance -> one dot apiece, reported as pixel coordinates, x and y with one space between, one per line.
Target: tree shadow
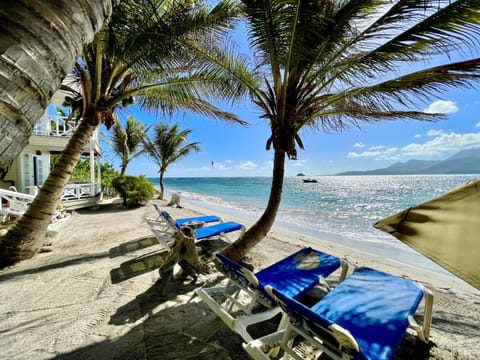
107 208
173 328
72 261
146 302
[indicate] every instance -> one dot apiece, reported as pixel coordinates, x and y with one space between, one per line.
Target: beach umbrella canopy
445 229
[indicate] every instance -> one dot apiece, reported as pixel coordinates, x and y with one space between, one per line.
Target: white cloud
379 152
417 136
389 151
477 125
247 165
378 147
353 154
443 143
435 132
219 166
359 144
442 107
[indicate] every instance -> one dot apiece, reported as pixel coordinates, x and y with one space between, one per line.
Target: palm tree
142 51
168 146
334 64
40 42
126 142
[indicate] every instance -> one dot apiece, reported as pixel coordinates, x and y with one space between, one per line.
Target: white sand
62 304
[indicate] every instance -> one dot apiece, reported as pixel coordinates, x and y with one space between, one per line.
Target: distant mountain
463 162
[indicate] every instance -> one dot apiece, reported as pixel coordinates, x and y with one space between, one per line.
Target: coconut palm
334 64
127 142
169 145
40 42
142 51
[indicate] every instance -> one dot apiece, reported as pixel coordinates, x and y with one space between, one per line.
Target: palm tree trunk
41 40
260 229
27 236
162 172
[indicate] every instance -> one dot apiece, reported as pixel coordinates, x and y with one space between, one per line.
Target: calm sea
339 209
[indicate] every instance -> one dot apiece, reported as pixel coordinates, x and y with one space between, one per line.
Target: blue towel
372 305
214 230
293 275
202 219
297 273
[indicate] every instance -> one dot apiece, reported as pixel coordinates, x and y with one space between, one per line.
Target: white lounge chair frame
259 349
236 311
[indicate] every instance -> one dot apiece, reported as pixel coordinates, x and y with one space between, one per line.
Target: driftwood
184 254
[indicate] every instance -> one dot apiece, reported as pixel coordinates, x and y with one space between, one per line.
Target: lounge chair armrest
412 324
344 337
250 276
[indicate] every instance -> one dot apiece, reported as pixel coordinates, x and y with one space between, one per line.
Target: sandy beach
62 304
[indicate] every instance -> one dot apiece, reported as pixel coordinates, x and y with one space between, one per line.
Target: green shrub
134 190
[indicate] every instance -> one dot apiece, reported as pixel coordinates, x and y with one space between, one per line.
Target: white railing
80 191
14 202
74 191
53 125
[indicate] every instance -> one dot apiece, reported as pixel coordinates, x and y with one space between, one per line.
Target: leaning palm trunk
162 173
28 234
40 42
260 229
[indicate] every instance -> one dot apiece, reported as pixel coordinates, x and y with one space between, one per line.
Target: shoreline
397 252
62 304
354 256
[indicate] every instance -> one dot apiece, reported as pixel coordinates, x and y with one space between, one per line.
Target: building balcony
53 132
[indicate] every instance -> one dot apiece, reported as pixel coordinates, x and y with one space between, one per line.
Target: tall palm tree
334 64
142 51
169 145
127 142
41 40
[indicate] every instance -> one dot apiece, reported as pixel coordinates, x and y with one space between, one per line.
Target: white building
32 166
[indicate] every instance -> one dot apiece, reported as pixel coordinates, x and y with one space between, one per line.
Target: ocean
338 209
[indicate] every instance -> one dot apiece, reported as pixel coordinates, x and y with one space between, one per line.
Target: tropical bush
134 190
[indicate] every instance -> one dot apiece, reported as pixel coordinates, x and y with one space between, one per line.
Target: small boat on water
309 180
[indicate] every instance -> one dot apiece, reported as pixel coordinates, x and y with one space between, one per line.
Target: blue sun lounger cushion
367 314
217 229
295 275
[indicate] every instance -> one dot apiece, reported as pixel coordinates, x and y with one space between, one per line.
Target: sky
231 150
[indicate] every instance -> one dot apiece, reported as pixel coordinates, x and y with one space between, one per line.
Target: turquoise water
339 209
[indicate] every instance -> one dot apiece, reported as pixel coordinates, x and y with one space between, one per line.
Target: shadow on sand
72 261
180 330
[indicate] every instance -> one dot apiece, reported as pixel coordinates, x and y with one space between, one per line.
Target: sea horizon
340 209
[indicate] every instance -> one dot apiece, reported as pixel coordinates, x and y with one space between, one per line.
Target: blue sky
240 151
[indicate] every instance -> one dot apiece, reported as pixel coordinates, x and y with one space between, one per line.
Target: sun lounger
175 224
365 317
217 231
295 275
165 225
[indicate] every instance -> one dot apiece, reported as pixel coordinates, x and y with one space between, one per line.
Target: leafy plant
134 190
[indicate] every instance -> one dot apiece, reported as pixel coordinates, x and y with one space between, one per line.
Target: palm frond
435 27
419 86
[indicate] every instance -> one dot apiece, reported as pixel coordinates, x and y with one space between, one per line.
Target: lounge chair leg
427 317
282 325
344 272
